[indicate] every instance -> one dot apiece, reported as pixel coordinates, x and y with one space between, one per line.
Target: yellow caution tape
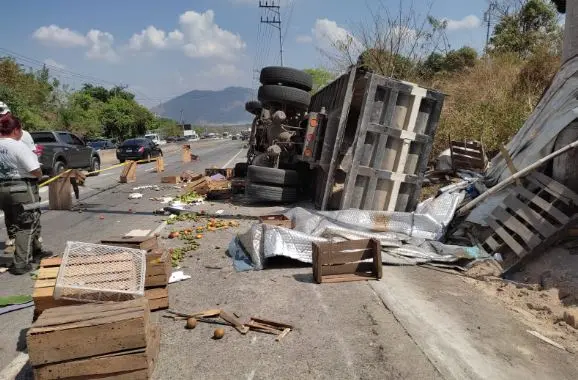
49 181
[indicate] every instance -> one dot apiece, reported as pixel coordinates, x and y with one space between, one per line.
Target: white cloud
468 22
328 35
203 38
304 39
52 63
223 70
54 35
101 46
153 38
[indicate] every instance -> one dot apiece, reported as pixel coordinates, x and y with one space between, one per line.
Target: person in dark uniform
19 175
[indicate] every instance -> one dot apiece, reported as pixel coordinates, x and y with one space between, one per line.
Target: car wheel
261 174
293 97
286 76
59 167
265 193
95 166
121 161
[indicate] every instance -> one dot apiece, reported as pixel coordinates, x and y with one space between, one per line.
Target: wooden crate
132 364
344 261
277 220
468 155
172 179
83 331
43 293
158 298
531 219
158 268
147 243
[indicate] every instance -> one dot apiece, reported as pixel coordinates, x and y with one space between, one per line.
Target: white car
155 138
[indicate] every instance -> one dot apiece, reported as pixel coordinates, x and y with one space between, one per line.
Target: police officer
9 218
19 175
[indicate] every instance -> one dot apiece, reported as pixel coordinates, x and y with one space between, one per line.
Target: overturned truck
363 141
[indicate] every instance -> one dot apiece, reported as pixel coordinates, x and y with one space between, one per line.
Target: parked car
58 151
138 149
101 144
156 138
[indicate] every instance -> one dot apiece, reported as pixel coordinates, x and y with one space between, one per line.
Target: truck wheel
286 76
264 193
241 169
95 166
261 174
290 96
254 107
59 167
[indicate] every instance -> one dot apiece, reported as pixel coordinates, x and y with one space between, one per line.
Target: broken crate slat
513 224
506 237
335 262
146 243
543 204
555 188
540 224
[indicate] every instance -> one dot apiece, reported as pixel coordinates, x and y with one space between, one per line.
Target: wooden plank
544 205
466 144
159 304
156 280
146 243
237 324
338 257
95 308
513 224
553 187
506 237
347 277
378 264
62 322
316 263
109 336
155 293
45 283
47 273
51 262
359 267
510 163
540 224
171 179
493 244
462 152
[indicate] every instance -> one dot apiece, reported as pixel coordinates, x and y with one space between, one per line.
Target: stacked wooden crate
43 294
158 267
90 341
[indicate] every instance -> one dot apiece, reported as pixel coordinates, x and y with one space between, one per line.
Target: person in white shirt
19 175
9 219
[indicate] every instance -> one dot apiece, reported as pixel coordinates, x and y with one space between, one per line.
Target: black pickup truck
58 151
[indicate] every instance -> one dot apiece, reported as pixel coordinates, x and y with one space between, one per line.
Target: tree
526 28
321 77
452 62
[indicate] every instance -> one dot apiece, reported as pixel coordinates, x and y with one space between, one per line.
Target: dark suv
58 151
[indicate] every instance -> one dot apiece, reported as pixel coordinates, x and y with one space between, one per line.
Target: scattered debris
178 276
545 339
14 300
135 196
269 327
144 187
277 220
219 212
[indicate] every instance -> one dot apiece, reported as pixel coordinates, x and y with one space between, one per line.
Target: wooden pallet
531 219
346 261
468 155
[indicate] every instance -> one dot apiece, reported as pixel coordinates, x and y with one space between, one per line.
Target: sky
161 49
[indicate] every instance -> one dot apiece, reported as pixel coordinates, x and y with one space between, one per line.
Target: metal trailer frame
393 140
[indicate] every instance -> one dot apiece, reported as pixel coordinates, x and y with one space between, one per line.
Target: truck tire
59 167
264 193
272 176
286 76
253 107
95 165
241 169
290 96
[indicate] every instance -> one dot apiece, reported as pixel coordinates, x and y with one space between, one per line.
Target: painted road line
14 367
233 159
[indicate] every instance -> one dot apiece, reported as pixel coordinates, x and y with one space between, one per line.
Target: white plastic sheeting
395 230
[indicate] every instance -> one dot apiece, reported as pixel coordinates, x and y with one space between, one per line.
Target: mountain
226 106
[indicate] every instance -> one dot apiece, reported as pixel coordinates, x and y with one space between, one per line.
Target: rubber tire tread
253 107
264 193
92 166
272 176
286 76
284 95
241 169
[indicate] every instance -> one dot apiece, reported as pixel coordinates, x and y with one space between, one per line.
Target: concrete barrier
107 157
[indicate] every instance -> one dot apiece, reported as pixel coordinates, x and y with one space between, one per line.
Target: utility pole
275 22
182 125
488 19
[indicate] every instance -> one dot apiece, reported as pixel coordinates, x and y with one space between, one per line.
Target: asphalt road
107 211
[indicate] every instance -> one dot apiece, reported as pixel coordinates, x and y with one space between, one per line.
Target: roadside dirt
539 295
